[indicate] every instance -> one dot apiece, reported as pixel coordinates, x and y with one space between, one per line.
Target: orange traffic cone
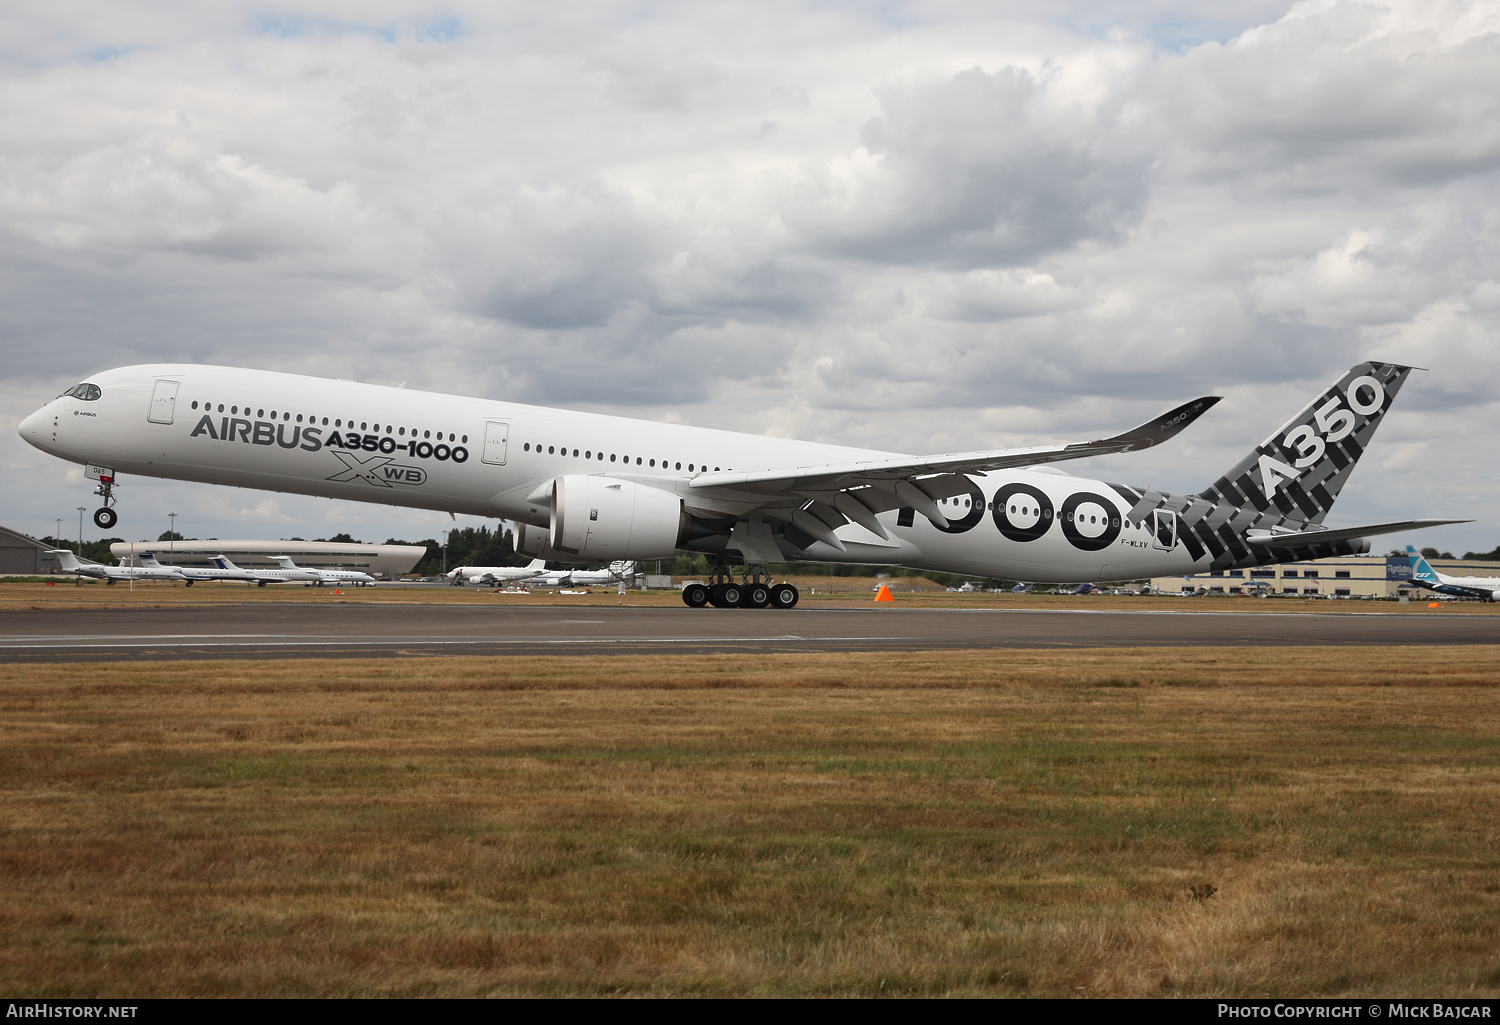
884 594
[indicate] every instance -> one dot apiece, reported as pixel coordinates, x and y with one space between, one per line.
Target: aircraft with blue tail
1423 575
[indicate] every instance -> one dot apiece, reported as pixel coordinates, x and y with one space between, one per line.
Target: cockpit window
86 392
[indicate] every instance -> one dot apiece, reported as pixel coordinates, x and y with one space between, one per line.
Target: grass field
1311 821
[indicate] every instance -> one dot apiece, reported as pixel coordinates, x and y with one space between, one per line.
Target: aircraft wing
1300 538
838 475
855 491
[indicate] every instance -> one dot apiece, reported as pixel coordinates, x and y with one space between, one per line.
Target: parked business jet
358 578
497 574
1423 575
584 487
193 574
69 563
613 573
262 577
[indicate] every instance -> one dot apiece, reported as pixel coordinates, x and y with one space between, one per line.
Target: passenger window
575 453
679 466
363 425
387 428
234 410
589 454
611 456
638 460
221 407
549 450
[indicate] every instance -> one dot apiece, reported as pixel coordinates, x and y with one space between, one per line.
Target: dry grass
1017 823
850 592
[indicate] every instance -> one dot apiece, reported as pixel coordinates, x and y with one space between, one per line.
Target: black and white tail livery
1270 506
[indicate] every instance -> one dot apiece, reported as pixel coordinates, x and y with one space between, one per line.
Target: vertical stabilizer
1300 470
1420 570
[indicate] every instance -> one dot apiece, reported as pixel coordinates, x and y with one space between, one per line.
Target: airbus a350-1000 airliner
583 487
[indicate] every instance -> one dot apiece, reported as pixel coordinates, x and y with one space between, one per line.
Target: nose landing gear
106 517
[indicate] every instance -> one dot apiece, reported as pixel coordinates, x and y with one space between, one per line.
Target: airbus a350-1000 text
583 487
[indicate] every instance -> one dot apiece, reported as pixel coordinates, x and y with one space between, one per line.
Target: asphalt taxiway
276 631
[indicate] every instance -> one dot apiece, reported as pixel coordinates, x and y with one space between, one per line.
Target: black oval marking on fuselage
1002 517
1070 528
971 518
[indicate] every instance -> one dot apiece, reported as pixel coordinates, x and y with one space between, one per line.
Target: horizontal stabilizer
1302 538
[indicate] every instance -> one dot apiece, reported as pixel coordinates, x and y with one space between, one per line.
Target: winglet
1159 429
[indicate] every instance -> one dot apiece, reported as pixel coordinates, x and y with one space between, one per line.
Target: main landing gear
106 518
755 592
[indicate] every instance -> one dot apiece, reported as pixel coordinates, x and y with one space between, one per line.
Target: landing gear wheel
695 596
106 518
784 596
730 596
757 596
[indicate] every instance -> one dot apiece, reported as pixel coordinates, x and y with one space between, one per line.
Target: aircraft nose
31 427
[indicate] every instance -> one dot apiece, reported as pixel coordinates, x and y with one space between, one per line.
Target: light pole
172 541
58 536
80 531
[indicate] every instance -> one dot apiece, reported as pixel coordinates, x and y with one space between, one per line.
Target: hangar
24 556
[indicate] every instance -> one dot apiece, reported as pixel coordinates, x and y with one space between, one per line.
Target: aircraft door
1164 534
163 402
496 438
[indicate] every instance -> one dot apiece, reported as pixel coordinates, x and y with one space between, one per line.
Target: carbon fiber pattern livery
1290 480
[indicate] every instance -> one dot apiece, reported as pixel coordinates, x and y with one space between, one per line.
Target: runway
275 631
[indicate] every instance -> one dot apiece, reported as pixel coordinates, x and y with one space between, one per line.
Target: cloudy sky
915 226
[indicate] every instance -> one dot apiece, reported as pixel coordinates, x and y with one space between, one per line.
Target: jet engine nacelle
533 541
606 519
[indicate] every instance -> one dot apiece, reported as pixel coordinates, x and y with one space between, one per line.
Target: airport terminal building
376 560
1358 576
